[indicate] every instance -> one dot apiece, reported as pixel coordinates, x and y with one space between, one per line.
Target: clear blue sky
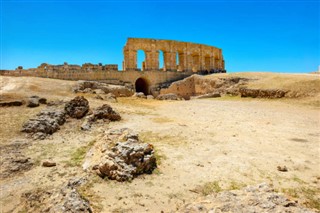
277 36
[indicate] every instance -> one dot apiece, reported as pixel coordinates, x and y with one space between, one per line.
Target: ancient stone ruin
180 60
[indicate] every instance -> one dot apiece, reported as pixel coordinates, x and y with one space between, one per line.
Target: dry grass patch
156 138
162 120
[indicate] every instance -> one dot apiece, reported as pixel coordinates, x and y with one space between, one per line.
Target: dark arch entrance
142 85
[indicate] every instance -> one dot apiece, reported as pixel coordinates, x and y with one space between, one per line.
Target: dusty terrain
203 146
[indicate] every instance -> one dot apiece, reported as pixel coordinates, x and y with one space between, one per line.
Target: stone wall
191 57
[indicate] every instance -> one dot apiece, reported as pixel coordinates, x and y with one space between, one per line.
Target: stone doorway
142 85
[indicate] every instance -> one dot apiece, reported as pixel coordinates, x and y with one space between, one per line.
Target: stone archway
142 85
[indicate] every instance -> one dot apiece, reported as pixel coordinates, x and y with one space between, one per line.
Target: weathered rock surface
150 97
77 107
260 93
11 103
105 112
124 90
13 160
121 156
46 122
169 96
260 198
33 102
66 198
48 163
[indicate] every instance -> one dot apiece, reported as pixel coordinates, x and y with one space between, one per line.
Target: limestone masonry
180 60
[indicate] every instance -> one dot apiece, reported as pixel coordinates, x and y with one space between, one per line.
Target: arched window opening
141 58
161 60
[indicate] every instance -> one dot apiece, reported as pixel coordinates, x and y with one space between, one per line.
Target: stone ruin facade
180 60
177 56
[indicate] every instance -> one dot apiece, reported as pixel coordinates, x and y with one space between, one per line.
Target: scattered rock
11 103
48 163
169 96
139 95
262 93
98 97
282 168
46 122
128 159
260 198
56 103
77 107
150 97
33 101
110 97
98 91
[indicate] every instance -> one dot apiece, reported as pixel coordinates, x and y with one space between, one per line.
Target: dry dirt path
232 143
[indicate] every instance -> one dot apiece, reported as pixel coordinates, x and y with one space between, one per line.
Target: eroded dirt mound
260 198
63 199
120 156
77 107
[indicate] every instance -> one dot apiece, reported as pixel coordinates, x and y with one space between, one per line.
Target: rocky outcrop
45 123
121 156
77 107
65 198
35 101
260 198
262 93
103 88
169 96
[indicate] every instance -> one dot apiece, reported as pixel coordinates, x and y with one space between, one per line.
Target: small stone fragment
48 163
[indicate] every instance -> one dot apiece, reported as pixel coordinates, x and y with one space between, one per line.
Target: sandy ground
230 141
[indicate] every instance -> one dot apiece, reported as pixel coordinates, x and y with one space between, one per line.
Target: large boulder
45 123
127 160
119 155
106 112
77 107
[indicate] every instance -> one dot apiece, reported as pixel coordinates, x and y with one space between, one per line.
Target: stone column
130 60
